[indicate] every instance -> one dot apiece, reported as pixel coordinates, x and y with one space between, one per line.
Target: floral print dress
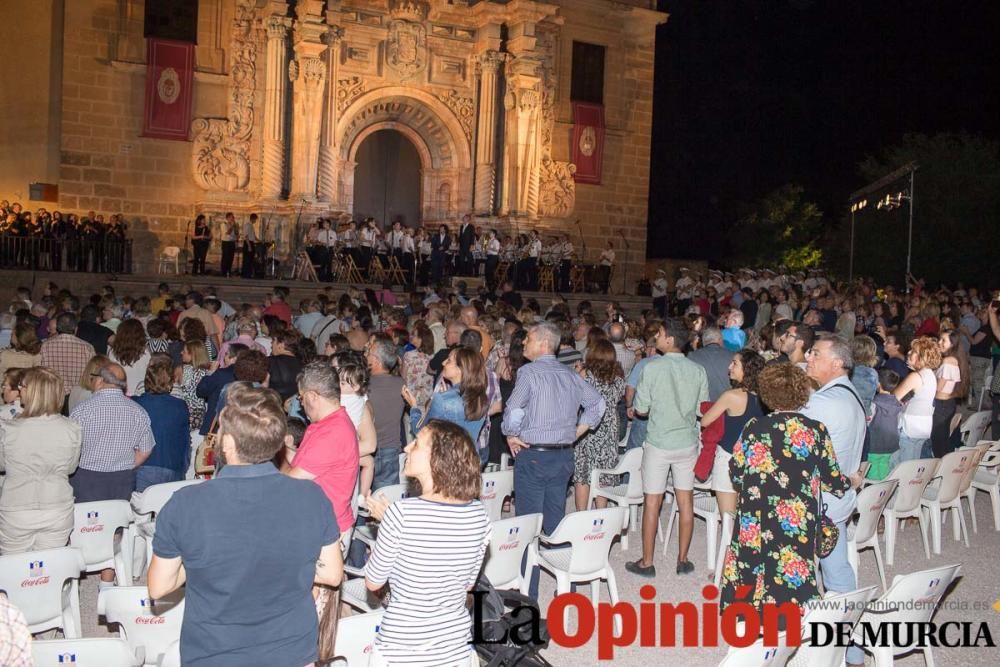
780 464
599 448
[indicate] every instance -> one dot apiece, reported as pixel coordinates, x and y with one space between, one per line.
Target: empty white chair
589 535
146 506
984 391
841 610
44 585
356 639
943 493
965 488
628 494
864 533
912 598
975 427
758 655
509 540
392 493
148 626
705 507
170 257
497 487
987 480
172 658
95 526
102 652
913 477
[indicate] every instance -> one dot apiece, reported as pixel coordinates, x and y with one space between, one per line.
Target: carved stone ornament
406 51
293 70
221 146
462 107
558 188
348 90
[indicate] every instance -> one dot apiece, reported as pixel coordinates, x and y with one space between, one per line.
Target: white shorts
658 463
721 482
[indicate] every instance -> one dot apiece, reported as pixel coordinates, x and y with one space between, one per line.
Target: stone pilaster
327 185
486 158
308 75
274 107
521 153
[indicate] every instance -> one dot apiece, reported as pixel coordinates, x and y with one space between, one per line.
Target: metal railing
40 254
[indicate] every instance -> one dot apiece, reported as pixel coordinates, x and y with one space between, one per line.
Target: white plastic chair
913 477
356 639
44 585
170 256
589 535
369 531
172 658
986 479
758 655
705 507
146 506
912 598
965 489
627 495
984 391
728 522
402 465
102 652
95 526
975 427
497 487
944 493
505 462
148 626
509 539
864 534
840 610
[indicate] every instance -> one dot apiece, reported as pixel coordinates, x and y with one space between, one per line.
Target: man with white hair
542 421
626 357
715 359
733 336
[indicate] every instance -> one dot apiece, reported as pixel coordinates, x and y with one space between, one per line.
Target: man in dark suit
466 239
440 244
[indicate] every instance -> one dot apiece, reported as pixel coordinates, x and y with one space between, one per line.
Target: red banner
588 141
169 88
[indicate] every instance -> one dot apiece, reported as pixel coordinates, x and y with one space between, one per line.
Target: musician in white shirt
395 240
367 237
407 250
565 251
660 293
327 240
249 246
607 262
492 247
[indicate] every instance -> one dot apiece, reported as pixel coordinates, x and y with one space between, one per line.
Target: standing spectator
65 354
952 384
90 330
386 397
464 403
169 421
599 447
246 330
917 420
128 349
284 364
25 349
542 421
625 356
193 308
39 449
670 392
414 370
864 377
329 452
897 351
242 610
884 425
84 389
715 359
837 406
193 369
278 307
429 550
210 387
311 314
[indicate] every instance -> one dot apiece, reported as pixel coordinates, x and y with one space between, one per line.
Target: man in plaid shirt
65 354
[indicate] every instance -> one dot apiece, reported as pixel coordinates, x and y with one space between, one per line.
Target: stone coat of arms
406 50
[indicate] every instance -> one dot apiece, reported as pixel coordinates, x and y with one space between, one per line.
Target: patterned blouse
185 391
418 379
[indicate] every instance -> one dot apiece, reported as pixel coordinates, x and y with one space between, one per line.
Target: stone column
328 140
274 107
521 151
308 73
486 159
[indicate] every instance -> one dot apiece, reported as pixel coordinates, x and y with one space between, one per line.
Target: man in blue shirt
249 544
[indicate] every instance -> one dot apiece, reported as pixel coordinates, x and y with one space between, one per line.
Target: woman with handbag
780 465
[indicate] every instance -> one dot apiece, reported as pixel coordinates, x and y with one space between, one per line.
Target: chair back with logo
149 626
758 655
840 610
98 652
871 503
172 658
913 476
95 525
152 500
508 541
590 533
356 639
975 427
951 472
44 586
497 487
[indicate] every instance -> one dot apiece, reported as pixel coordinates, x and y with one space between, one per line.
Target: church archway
387 178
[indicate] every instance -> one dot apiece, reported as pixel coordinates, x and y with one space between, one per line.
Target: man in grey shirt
385 395
715 360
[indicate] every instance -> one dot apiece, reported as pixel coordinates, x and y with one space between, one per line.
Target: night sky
751 94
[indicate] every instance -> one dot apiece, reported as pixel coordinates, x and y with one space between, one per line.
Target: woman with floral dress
414 368
779 467
599 448
187 376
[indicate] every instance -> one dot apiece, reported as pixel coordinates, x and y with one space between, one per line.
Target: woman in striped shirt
429 550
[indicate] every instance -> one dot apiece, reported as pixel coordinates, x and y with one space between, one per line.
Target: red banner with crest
169 89
588 141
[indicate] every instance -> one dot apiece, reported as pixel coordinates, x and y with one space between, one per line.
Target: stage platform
240 290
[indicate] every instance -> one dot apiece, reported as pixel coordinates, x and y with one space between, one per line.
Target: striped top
430 553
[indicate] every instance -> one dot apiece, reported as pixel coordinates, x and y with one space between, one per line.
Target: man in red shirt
329 453
278 307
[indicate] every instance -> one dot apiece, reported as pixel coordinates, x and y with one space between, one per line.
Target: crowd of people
801 380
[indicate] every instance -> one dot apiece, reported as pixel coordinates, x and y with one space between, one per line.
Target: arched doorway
387 180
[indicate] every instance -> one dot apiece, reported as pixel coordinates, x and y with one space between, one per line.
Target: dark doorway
387 179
